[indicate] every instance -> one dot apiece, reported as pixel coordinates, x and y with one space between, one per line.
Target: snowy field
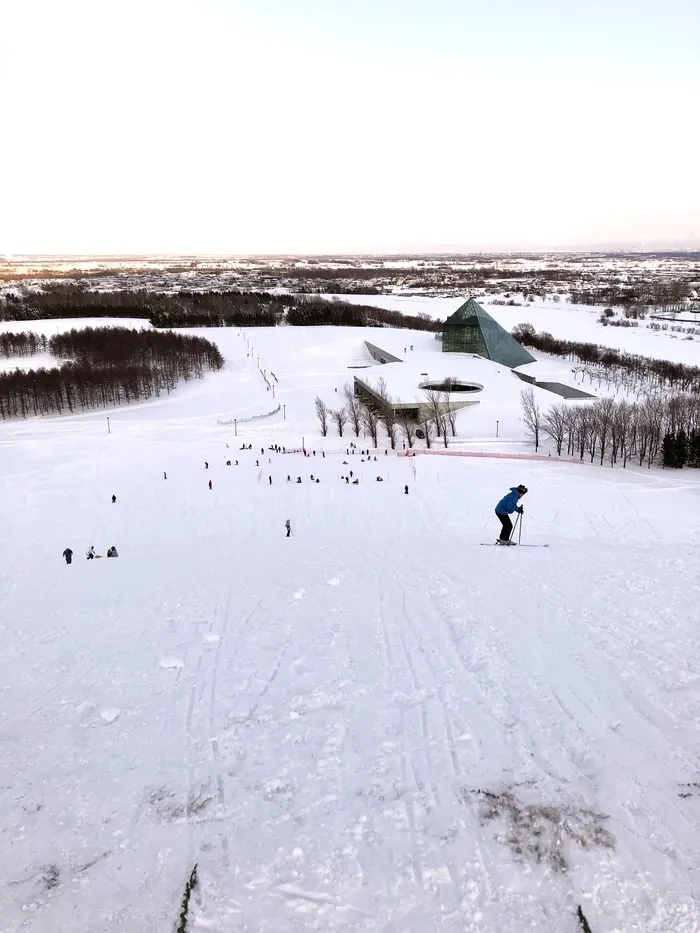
375 724
563 320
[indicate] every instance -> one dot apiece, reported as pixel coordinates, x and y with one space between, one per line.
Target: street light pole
235 428
496 429
109 430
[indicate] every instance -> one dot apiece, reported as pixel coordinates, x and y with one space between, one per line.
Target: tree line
22 344
664 374
657 429
105 367
437 419
213 308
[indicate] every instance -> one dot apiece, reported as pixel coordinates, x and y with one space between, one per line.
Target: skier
210 484
90 553
270 479
114 499
505 508
405 489
206 465
68 555
165 475
228 463
288 526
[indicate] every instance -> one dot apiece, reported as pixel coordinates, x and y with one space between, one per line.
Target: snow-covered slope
375 724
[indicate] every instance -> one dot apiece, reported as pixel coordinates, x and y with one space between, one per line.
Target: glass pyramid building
472 330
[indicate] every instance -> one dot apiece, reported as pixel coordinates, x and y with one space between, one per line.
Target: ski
483 544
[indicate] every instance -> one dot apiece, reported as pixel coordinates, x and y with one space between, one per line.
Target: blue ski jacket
509 502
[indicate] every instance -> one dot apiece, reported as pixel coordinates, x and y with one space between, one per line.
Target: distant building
472 330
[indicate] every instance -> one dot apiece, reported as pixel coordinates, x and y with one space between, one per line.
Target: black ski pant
507 526
68 558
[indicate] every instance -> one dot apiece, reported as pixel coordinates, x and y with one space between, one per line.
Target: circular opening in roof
452 386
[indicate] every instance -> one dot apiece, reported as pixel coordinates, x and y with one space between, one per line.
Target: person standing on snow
90 553
505 508
288 526
68 555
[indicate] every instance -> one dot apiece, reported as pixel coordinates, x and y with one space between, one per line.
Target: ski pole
520 529
517 521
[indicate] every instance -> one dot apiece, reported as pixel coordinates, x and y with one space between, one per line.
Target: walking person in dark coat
505 508
68 555
114 499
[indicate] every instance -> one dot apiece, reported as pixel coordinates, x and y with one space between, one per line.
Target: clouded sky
347 125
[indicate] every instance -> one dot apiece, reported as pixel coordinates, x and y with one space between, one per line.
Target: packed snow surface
373 724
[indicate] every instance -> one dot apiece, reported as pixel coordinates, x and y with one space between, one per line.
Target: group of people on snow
90 554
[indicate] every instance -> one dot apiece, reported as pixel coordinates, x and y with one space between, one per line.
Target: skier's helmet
522 489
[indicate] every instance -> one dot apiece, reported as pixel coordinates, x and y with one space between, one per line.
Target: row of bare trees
206 308
105 367
437 418
22 344
616 431
664 374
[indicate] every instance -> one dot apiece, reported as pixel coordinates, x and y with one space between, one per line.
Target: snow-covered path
375 724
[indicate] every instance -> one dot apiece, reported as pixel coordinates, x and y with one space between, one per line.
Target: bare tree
435 400
340 417
427 426
554 426
531 416
370 421
389 412
353 408
408 429
322 415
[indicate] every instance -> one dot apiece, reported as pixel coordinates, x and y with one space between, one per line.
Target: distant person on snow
90 553
112 552
288 526
165 475
270 480
505 508
114 499
68 555
206 465
210 484
405 489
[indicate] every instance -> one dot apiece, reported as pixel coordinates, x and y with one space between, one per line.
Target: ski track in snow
312 719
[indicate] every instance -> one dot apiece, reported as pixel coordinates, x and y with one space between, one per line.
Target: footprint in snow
334 581
169 664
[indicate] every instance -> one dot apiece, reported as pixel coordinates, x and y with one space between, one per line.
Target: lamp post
235 428
109 430
284 412
496 429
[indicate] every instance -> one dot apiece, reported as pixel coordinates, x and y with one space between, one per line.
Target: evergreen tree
668 450
681 449
694 450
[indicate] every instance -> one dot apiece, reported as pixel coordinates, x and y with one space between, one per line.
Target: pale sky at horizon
307 126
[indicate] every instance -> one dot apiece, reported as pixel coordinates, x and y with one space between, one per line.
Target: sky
307 126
